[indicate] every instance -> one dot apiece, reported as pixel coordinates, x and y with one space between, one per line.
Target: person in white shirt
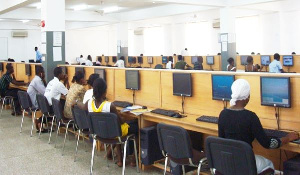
37 85
185 52
55 88
120 62
81 60
99 61
275 66
89 62
89 93
170 63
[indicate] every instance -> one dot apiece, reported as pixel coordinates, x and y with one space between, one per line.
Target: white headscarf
240 91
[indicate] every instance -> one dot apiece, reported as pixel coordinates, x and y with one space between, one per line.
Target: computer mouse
177 116
144 107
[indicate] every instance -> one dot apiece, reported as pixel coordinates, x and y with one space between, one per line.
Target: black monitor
210 60
275 91
265 60
106 59
164 60
131 60
140 60
244 59
182 84
101 73
27 69
64 70
31 61
1 67
150 60
79 69
288 60
194 59
221 87
132 79
114 58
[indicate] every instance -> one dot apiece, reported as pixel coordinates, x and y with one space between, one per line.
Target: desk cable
278 128
182 103
133 97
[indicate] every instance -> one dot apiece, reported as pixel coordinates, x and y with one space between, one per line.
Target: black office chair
81 121
158 66
11 102
106 128
231 157
176 145
26 105
58 113
45 109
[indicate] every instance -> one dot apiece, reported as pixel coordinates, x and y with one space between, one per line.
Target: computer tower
28 69
292 166
150 151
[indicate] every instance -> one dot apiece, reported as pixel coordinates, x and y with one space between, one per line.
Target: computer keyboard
167 113
275 133
296 141
122 104
209 119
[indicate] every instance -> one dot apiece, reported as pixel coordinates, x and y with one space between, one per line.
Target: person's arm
13 80
82 106
220 126
114 110
280 67
62 89
40 87
66 82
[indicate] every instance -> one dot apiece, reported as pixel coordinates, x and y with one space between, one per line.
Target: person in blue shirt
38 58
275 66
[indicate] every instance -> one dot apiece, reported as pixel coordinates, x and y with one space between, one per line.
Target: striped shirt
4 82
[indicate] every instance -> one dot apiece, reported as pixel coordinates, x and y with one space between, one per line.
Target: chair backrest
104 125
229 156
174 141
80 117
24 100
43 103
57 109
158 66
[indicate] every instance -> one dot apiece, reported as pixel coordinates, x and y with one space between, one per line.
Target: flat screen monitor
106 59
275 91
131 60
31 61
64 70
132 79
150 60
265 60
1 67
244 59
101 73
288 60
210 60
194 59
221 87
164 60
28 69
182 84
140 60
79 69
114 59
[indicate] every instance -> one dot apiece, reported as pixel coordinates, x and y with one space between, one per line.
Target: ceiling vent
216 25
19 33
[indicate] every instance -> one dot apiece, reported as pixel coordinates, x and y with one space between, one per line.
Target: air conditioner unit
19 33
139 32
216 25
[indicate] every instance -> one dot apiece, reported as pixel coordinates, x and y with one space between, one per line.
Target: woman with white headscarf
239 123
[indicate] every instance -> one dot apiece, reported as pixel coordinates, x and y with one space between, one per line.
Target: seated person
37 85
181 64
198 65
241 124
89 93
76 92
55 88
275 66
170 63
230 66
120 63
99 104
81 60
250 67
5 80
98 62
89 62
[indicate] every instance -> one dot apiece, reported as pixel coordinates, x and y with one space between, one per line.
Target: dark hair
81 56
141 54
99 88
100 59
122 58
77 77
35 48
277 56
237 53
9 66
252 53
249 59
179 57
219 54
200 59
185 49
230 60
174 54
293 53
39 69
57 71
92 78
170 58
258 54
89 57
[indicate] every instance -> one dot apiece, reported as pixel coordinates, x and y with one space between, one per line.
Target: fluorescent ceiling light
80 7
111 9
24 20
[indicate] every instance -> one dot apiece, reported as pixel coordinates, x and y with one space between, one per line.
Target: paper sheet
57 56
57 38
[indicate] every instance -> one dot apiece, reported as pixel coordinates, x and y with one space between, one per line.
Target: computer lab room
149 87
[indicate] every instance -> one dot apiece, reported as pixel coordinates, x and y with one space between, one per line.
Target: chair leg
3 103
57 134
66 133
200 164
183 169
124 157
136 156
41 125
166 163
106 155
22 121
112 152
92 159
32 123
77 145
14 107
212 171
51 129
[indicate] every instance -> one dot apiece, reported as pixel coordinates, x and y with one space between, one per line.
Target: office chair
231 157
106 128
45 109
11 102
158 66
176 145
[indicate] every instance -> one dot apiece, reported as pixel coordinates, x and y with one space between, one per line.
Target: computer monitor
150 60
79 69
101 73
106 59
131 60
221 87
210 60
31 61
164 60
114 59
244 59
288 60
265 60
275 91
27 69
132 79
182 84
64 70
140 60
194 59
1 67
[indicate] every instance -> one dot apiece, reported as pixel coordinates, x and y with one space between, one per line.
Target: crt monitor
244 59
106 59
164 60
28 69
221 87
150 60
79 69
210 60
194 59
182 84
114 58
1 67
140 60
265 60
131 60
275 91
101 73
132 79
287 60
